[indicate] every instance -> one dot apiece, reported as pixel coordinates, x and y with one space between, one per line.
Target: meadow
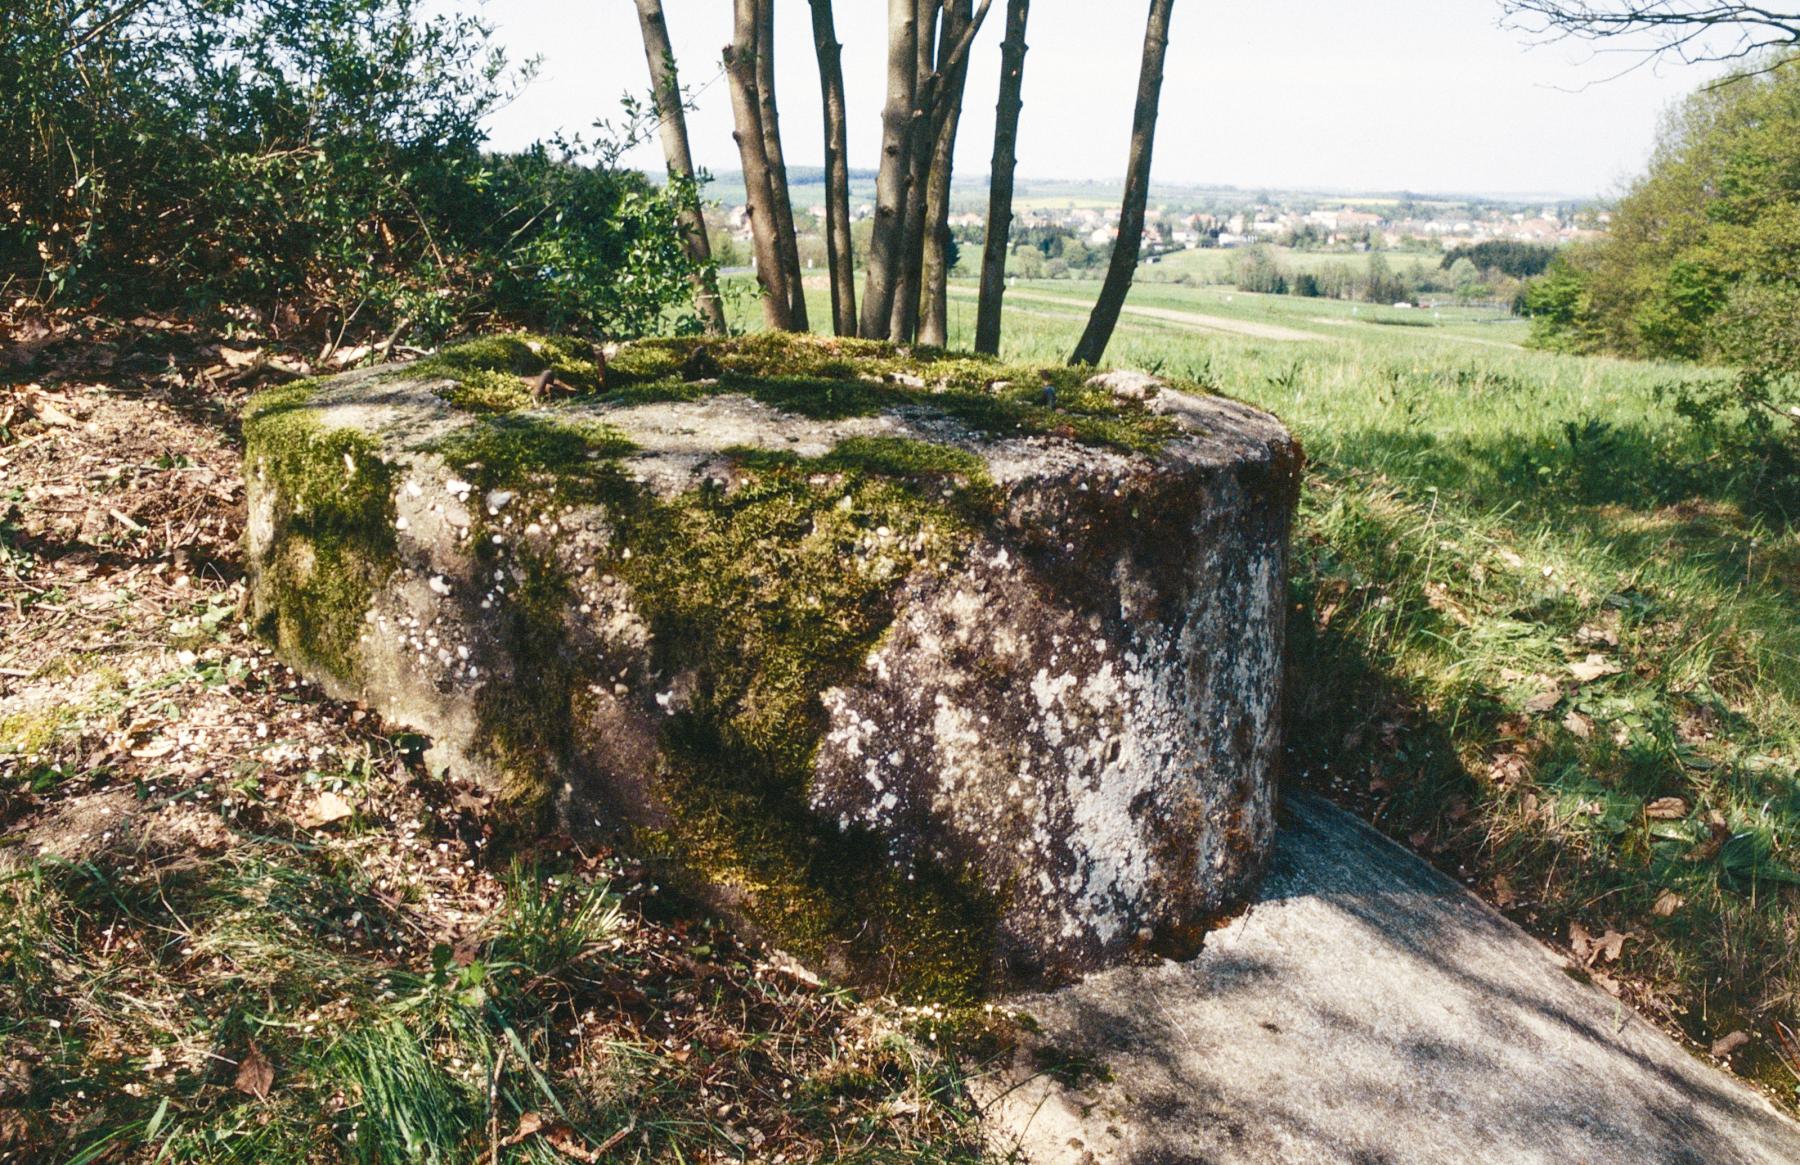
1216 264
1545 632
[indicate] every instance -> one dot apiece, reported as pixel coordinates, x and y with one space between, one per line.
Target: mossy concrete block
945 675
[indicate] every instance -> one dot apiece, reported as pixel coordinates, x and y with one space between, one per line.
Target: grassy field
1543 632
1215 264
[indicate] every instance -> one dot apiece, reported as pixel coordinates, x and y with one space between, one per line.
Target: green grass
134 994
1482 523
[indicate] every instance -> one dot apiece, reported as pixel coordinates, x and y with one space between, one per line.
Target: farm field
1214 264
1541 635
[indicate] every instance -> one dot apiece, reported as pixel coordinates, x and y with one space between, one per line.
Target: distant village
1325 228
1301 221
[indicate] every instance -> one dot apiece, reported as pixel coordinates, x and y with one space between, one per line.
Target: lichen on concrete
941 673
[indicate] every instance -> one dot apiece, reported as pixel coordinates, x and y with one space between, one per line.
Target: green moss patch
770 588
771 593
822 378
493 374
334 533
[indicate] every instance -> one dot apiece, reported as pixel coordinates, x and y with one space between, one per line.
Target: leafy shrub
310 166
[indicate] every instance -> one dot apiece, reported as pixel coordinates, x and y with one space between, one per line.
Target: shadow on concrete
1366 1010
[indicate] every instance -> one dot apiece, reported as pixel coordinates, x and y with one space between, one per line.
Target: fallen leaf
1581 942
1503 892
1544 701
1507 768
155 750
1725 1045
1666 809
561 1137
325 809
255 1075
239 358
1592 635
1667 903
529 1124
1610 945
1578 725
1593 667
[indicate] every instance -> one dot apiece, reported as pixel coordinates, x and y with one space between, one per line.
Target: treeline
1378 280
1702 263
307 167
1704 249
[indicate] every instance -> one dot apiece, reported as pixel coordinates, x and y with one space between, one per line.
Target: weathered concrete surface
1368 1010
1063 719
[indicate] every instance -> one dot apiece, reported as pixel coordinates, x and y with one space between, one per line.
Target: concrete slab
1367 1010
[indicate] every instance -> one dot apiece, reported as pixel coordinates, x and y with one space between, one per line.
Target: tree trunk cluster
907 266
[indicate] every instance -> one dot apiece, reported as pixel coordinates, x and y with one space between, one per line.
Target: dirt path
1207 323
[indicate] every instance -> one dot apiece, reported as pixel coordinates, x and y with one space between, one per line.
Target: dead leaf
1508 768
1725 1045
1593 667
1610 945
1667 903
561 1137
326 808
1503 892
1666 809
1544 700
1592 635
1578 725
1581 943
255 1075
160 747
239 357
529 1124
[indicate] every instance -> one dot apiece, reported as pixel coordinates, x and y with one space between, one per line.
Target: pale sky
1424 95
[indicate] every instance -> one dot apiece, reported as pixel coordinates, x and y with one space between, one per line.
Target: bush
307 166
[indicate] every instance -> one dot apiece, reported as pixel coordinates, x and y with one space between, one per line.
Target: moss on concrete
493 374
767 588
770 593
334 518
827 379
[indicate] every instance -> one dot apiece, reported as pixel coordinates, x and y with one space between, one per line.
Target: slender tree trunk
890 179
771 127
740 69
839 255
1105 315
1000 179
905 318
934 311
666 88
